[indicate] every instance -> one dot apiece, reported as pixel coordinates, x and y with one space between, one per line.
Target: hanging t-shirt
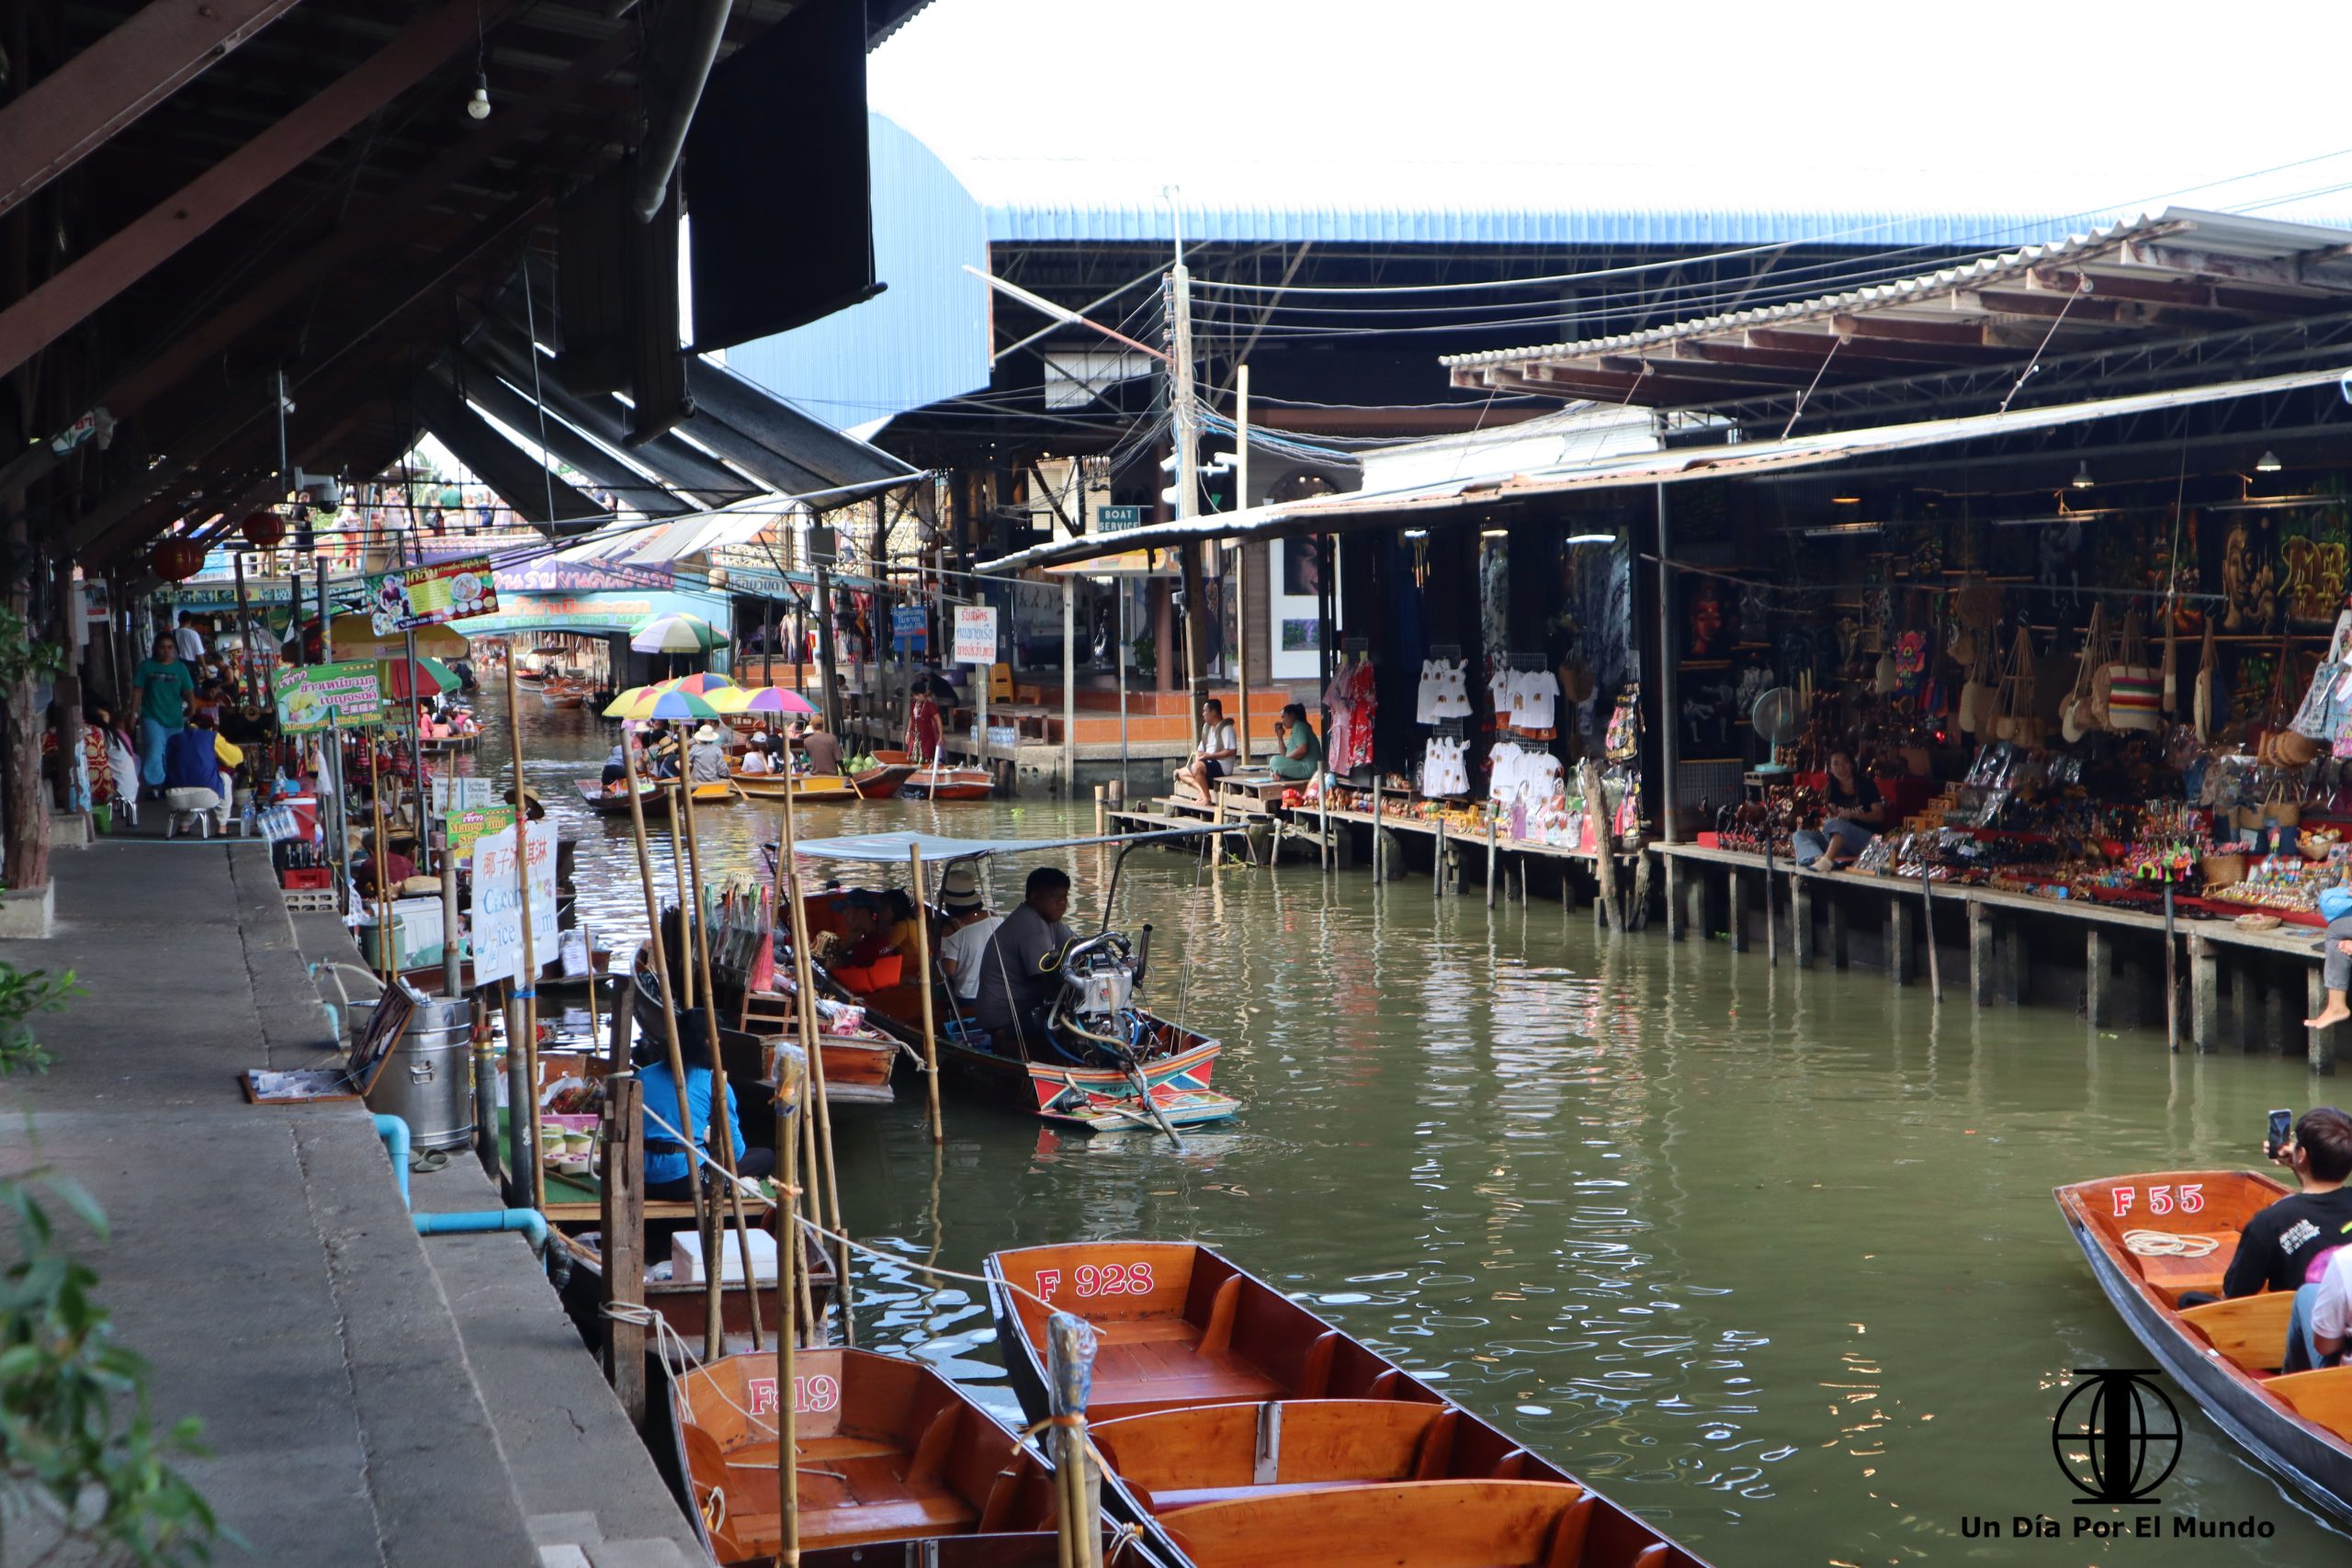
1533 695
1499 689
1452 690
1444 769
1425 694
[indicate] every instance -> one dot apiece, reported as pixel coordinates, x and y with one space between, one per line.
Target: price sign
498 904
975 634
310 695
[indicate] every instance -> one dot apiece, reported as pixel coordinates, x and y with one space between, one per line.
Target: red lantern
176 559
264 530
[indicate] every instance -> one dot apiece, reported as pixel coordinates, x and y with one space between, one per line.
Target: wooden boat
554 696
805 789
2146 1236
887 1451
1242 1427
857 1069
936 781
449 745
882 781
683 1304
594 796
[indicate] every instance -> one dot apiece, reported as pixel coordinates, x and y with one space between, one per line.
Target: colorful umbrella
636 703
759 699
674 705
701 683
405 680
355 637
675 634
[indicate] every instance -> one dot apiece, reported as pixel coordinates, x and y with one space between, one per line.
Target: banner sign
351 693
975 634
432 595
468 825
909 625
498 911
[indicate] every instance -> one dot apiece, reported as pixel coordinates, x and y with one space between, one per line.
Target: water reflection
1769 1254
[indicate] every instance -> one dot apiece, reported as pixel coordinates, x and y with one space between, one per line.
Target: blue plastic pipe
473 1222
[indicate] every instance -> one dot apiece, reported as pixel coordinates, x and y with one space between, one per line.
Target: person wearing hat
707 760
969 926
398 868
2336 956
533 807
661 748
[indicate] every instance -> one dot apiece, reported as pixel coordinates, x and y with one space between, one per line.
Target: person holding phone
2287 1246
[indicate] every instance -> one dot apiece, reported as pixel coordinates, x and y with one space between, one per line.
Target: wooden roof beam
77 109
72 296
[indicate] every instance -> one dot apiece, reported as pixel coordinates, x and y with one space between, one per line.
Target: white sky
1555 103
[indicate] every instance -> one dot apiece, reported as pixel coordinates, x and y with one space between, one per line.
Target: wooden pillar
1800 919
2245 999
1678 912
2274 1013
2140 993
2204 993
624 1242
1984 962
1901 938
1839 955
2098 977
2323 1042
2016 975
1740 899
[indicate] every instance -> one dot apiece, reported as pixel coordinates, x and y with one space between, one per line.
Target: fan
1777 719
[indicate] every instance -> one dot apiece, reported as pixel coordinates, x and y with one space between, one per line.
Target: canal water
1767 1256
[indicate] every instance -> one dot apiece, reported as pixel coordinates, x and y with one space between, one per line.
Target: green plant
1147 652
21 658
81 1460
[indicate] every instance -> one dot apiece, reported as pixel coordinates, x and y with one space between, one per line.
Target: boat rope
2169 1244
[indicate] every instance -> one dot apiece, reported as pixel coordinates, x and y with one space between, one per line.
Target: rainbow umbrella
759 699
675 634
660 701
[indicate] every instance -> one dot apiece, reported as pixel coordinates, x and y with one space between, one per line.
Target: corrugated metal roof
2214 233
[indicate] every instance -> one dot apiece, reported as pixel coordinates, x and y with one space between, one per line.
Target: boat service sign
975 634
498 902
432 595
351 694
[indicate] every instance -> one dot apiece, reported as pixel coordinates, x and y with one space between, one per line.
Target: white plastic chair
191 809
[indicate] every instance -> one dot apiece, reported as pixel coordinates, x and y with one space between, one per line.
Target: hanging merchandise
2017 721
2202 716
2076 715
1354 705
1445 768
1535 700
1910 661
1625 739
2128 690
1444 691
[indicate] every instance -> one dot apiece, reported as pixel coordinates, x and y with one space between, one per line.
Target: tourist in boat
615 776
862 958
661 748
1212 758
756 758
1857 811
1298 753
900 934
2286 1247
669 1174
970 927
923 726
707 760
819 751
1021 967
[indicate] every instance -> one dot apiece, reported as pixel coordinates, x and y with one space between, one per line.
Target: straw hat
959 890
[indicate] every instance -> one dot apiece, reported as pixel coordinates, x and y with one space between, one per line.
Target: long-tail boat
936 780
1108 1063
880 782
806 789
2155 1236
1243 1431
684 1304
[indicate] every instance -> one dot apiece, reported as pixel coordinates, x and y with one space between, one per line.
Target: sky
2073 107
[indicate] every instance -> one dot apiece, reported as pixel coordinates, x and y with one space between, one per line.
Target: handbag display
2129 692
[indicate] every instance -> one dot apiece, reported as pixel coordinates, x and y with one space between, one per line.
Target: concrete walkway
262 1261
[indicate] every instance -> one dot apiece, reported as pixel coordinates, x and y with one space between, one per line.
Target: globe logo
2117 1437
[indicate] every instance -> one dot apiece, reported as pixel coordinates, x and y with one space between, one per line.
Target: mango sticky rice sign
432 595
310 695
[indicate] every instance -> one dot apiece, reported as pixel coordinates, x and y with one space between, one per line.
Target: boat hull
2309 1456
1094 1099
821 790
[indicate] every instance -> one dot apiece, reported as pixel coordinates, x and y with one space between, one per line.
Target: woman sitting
1298 753
1856 813
669 1174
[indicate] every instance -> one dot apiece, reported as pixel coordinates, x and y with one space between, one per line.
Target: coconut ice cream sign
432 595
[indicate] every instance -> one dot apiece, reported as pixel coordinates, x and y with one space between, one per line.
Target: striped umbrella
659 701
759 699
404 680
675 634
701 683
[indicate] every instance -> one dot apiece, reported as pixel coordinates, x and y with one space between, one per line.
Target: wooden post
818 1123
2205 993
660 955
2172 977
1801 918
1902 962
929 1005
2245 999
1981 958
1437 863
2274 1014
722 1120
2098 977
1772 926
526 984
1740 897
2016 968
1596 832
623 1024
623 1218
1102 810
1494 833
1927 929
1839 953
2322 1041
1678 917
792 1092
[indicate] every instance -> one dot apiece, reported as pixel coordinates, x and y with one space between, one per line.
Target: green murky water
1769 1257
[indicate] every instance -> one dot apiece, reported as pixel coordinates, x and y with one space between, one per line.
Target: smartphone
2282 1129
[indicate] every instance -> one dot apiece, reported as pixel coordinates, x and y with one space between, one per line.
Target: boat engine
1098 984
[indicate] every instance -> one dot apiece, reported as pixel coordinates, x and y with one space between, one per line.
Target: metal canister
428 1082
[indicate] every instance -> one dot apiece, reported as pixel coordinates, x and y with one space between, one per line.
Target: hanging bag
2074 712
2129 691
2202 716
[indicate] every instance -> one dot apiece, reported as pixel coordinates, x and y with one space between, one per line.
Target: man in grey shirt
1021 968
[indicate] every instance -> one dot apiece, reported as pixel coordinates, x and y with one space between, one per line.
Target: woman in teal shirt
1298 753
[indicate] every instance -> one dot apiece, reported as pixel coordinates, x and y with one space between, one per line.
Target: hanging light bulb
2083 480
2267 463
478 106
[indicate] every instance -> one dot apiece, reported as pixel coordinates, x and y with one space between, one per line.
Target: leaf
76 1196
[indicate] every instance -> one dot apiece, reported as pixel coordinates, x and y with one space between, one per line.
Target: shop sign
463 794
910 626
432 595
975 634
309 695
1114 519
498 902
468 826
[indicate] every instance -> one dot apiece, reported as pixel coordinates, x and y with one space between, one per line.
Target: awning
1128 563
1435 505
892 848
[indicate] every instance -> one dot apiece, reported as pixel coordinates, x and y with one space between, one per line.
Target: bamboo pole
722 1120
820 1121
526 983
929 1008
678 875
375 868
660 959
791 1088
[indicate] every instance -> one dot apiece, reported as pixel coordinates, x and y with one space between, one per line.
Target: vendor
923 726
1298 753
669 1173
1856 813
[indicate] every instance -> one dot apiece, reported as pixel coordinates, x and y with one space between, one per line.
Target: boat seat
1156 1370
2251 1331
2323 1398
1175 1499
2172 1278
